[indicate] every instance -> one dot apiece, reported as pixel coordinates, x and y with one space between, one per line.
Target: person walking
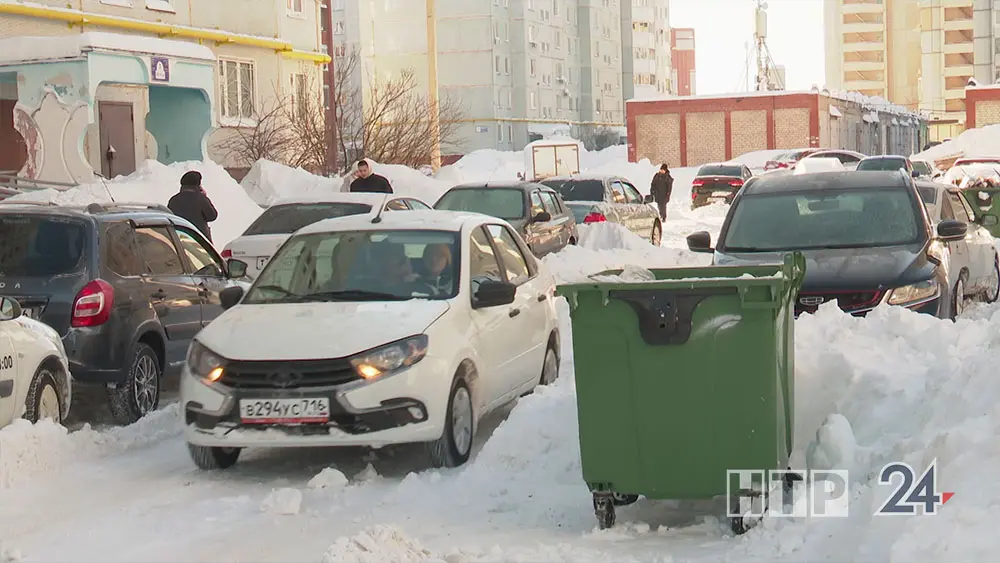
368 181
193 204
660 188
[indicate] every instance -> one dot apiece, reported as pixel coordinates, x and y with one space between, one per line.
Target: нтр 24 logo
911 493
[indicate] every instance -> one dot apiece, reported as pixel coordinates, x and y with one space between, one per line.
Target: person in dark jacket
192 203
369 181
660 188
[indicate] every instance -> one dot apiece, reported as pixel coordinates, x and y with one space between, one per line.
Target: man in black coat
369 181
192 203
660 188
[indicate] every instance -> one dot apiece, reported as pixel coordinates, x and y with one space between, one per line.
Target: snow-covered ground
894 386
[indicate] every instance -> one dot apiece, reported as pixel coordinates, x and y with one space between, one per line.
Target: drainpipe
330 79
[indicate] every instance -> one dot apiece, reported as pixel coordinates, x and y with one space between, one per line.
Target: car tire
550 367
991 294
958 297
454 446
139 394
656 236
212 458
43 397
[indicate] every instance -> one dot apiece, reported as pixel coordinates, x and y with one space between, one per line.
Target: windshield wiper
749 249
353 295
278 289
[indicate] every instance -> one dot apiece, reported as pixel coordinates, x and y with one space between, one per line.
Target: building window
158 5
300 95
338 27
532 101
506 65
497 64
237 85
294 7
531 67
121 3
510 133
340 50
499 133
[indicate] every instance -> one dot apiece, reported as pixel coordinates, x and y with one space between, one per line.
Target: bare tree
265 135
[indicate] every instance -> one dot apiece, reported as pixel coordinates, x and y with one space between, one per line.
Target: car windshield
505 203
285 219
36 246
884 164
828 219
720 170
360 266
579 190
928 195
921 167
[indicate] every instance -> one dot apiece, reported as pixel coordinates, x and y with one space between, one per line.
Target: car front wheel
212 458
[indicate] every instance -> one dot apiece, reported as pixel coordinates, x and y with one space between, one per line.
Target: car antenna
381 207
106 187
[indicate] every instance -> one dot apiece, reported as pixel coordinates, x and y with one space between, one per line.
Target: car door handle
541 298
159 294
514 312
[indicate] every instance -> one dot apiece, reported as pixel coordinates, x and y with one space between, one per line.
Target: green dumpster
986 206
682 378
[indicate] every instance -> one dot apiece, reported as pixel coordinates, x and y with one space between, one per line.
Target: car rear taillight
736 183
92 306
694 195
226 253
697 182
595 217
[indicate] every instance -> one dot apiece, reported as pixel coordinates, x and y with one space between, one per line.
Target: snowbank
756 160
267 182
154 182
978 142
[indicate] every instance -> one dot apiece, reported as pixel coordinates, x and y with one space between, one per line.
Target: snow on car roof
424 220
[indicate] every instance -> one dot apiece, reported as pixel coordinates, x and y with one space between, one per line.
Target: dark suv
126 286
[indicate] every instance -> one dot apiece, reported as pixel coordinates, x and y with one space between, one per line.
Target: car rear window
716 170
287 218
921 167
884 164
580 190
504 203
928 195
35 246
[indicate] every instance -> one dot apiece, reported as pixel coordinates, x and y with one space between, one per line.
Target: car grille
288 375
808 302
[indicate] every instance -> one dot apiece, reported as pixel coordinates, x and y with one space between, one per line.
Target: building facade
646 48
682 61
92 86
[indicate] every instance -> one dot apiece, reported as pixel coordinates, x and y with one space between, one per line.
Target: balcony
862 27
864 85
863 65
958 49
959 70
862 8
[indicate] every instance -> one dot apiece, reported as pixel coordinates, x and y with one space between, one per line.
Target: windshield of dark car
921 167
828 219
883 164
717 170
37 246
287 218
579 190
505 203
360 266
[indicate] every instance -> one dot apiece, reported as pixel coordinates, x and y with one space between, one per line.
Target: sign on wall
160 69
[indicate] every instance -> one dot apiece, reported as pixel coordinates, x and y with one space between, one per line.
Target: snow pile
283 502
978 142
380 544
756 160
629 274
9 554
329 478
153 182
267 182
485 165
30 450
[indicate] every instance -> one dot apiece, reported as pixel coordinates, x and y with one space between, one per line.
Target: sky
724 28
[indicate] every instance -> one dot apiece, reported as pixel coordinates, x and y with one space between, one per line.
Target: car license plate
285 411
262 261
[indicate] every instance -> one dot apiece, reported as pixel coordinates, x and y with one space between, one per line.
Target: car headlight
913 293
391 357
204 363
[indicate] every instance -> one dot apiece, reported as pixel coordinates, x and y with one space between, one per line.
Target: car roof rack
45 203
105 207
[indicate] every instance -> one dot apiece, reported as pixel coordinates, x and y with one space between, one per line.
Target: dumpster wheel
621 499
604 509
743 524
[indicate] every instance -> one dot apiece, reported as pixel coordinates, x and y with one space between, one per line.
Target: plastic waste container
682 378
985 203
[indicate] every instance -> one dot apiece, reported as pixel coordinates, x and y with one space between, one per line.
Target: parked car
926 169
788 159
977 160
813 165
34 370
849 159
887 163
974 265
126 287
717 182
866 237
265 235
336 345
599 199
536 211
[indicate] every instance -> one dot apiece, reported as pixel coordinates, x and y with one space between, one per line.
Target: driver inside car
437 268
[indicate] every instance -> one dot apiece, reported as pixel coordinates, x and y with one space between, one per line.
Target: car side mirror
952 230
700 242
230 297
989 220
10 309
542 217
237 268
648 198
493 293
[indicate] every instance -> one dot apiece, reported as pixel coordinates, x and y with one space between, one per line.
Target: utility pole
432 85
760 39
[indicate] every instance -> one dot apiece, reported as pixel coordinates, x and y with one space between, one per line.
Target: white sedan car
265 235
34 373
366 331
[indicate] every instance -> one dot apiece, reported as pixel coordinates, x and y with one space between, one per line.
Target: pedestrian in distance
368 181
193 204
660 188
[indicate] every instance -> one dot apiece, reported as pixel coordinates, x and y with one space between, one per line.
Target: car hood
850 268
299 331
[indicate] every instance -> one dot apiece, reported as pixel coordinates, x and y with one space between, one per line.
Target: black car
866 238
537 212
126 286
717 182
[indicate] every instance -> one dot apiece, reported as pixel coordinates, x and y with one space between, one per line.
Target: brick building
690 131
682 59
982 106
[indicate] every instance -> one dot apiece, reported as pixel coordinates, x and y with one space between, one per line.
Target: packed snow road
895 386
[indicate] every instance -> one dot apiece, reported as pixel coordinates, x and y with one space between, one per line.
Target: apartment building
646 48
101 85
682 61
